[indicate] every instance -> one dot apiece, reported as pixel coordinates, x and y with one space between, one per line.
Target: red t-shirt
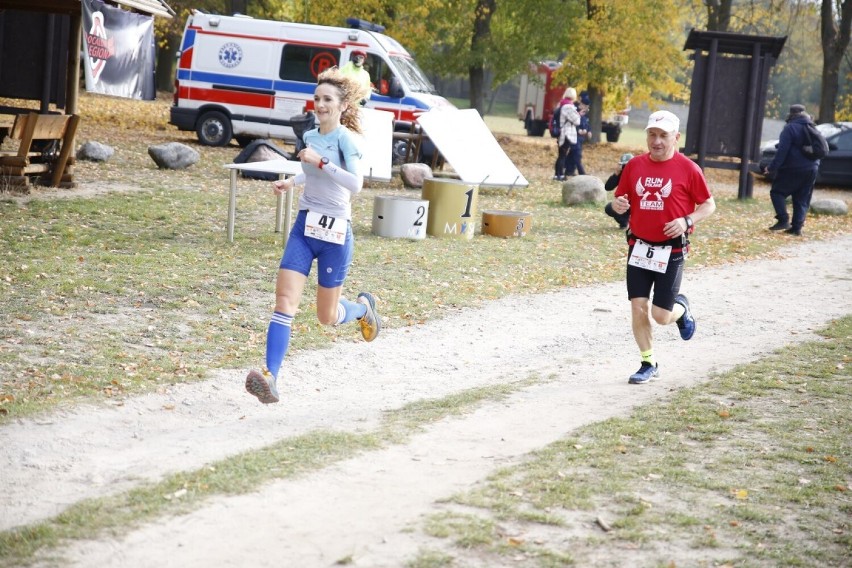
659 192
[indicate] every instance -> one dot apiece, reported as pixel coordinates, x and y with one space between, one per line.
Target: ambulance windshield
413 75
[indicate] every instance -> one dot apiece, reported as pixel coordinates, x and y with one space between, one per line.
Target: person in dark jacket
611 183
792 174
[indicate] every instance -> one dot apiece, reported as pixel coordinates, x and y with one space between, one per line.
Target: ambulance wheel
400 148
214 129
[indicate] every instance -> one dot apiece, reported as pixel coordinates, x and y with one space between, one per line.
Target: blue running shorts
333 260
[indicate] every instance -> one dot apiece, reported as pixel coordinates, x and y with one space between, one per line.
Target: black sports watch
689 222
323 162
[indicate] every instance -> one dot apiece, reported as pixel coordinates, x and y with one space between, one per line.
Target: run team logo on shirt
652 192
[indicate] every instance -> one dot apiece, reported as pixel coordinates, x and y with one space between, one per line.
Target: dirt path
363 507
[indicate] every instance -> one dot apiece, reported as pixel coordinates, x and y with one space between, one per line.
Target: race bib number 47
650 257
325 228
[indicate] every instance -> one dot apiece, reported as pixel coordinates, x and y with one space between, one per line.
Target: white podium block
400 217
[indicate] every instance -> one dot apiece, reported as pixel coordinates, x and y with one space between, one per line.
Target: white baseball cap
664 120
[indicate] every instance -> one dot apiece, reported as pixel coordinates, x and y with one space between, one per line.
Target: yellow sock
648 356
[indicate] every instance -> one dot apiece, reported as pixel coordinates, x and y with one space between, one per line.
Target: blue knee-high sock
348 311
277 341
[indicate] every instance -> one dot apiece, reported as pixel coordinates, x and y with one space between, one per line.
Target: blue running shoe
686 323
262 385
645 373
370 322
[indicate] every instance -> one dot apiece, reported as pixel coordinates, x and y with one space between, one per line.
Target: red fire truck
540 93
538 97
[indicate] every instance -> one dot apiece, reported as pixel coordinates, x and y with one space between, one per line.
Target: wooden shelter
40 43
728 99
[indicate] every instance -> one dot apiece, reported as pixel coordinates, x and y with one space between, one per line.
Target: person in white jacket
569 120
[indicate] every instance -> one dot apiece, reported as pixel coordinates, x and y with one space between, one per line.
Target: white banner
118 51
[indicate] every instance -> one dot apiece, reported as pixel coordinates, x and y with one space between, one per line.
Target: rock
577 190
829 207
95 152
173 155
413 175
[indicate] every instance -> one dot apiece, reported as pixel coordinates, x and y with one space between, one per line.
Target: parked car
836 167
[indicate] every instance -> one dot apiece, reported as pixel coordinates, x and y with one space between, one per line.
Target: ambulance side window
304 63
380 74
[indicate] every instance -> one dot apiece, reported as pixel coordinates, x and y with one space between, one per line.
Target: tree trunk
718 15
476 74
239 6
596 113
595 93
834 34
166 62
478 46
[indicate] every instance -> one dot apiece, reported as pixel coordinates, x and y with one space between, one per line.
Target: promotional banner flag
118 51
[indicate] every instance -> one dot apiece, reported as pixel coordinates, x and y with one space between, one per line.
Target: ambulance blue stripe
296 87
223 79
188 40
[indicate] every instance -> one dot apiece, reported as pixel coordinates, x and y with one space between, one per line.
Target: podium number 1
469 194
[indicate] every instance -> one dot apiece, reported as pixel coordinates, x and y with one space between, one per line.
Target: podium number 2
419 221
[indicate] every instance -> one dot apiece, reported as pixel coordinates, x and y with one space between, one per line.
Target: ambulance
243 78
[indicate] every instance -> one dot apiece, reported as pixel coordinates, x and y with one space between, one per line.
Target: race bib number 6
325 228
650 257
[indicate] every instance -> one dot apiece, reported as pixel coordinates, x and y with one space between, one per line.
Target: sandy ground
364 508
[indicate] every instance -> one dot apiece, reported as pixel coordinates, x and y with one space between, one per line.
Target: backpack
554 127
815 146
258 151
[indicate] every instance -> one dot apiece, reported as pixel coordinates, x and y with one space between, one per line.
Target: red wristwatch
322 163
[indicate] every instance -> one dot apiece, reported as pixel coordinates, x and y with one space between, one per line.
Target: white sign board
377 144
468 145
